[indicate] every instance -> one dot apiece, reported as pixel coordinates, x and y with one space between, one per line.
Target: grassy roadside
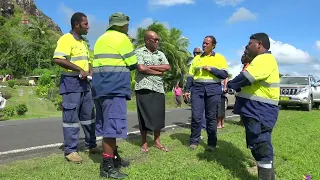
295 138
43 108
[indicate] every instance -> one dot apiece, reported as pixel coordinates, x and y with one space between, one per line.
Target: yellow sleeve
258 69
63 49
127 52
91 56
192 69
222 65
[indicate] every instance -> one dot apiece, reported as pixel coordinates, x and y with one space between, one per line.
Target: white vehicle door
315 90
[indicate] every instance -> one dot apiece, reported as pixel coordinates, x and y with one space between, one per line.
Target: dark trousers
204 103
78 109
258 137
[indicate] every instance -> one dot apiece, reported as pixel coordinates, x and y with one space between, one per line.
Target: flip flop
144 150
162 148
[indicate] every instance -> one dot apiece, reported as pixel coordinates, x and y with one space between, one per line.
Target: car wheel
308 107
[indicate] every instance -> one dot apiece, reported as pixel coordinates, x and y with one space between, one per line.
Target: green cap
118 19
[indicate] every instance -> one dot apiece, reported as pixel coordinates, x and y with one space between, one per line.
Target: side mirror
315 84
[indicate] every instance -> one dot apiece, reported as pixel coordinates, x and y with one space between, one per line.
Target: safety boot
107 170
74 157
118 161
266 174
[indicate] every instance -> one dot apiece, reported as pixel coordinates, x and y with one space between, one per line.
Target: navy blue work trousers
78 109
258 137
208 104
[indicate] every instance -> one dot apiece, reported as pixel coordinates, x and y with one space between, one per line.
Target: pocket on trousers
69 114
119 126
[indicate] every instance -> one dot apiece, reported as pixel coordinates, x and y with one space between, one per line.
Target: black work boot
265 174
107 170
118 161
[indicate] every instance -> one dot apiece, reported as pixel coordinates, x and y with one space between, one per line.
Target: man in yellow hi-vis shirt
204 79
257 102
72 54
114 58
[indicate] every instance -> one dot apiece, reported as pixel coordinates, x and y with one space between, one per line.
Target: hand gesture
207 68
83 75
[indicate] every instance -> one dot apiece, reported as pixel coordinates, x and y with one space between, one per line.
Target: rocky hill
9 7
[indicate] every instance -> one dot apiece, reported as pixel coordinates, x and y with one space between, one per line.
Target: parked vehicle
301 91
3 102
230 99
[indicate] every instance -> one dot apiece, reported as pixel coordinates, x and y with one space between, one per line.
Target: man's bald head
196 51
151 40
149 34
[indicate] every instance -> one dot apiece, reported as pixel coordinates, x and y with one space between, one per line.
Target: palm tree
174 46
43 38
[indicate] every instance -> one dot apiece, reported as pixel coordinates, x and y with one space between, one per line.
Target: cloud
318 44
242 14
288 54
144 24
169 3
234 68
228 2
97 27
291 60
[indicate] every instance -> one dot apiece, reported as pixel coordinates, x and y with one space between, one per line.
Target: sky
293 26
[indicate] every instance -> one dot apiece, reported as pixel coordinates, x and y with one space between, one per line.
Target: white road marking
60 144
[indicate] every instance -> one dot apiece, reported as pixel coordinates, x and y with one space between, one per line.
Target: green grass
43 108
37 107
295 139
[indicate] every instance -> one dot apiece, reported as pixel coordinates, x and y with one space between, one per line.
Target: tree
25 47
174 46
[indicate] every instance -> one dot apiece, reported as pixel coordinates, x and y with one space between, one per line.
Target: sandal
144 150
162 148
219 127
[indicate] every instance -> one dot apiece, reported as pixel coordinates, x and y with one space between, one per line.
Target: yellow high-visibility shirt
74 49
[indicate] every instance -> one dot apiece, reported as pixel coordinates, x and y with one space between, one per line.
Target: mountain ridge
9 8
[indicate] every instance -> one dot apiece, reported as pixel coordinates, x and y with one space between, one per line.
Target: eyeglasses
155 39
196 52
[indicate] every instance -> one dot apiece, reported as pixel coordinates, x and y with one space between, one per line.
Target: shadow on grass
184 139
182 125
238 123
231 158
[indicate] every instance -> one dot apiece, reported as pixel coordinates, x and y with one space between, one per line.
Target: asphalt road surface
43 136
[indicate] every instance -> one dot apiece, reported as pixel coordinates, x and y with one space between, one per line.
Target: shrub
6 93
58 103
42 91
11 83
39 71
8 111
22 82
21 109
45 79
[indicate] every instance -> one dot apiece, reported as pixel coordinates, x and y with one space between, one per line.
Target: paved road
24 134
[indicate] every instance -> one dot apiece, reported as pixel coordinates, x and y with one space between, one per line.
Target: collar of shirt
146 49
212 54
75 35
267 52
